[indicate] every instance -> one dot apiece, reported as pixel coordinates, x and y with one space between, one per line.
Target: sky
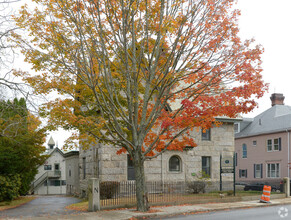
268 22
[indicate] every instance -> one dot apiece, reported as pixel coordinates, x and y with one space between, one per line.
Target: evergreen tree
20 142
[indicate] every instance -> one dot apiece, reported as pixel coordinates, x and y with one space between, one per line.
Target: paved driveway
41 206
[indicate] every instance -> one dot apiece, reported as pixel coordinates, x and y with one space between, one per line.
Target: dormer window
236 127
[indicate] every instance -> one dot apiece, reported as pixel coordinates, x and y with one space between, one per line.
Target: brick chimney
277 99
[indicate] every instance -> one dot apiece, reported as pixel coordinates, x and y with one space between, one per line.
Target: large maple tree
140 74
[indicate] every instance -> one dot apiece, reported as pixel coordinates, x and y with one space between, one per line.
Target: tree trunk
141 192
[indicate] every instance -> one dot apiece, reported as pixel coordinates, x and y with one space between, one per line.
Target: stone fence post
94 194
286 181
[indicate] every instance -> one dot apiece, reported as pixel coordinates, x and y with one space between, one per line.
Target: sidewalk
163 211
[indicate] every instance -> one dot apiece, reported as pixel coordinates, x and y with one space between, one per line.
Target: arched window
175 164
244 151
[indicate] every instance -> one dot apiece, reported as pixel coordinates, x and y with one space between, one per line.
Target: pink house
262 144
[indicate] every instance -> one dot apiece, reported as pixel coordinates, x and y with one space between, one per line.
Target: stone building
101 161
72 173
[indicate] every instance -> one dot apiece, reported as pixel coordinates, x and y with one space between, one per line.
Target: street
42 206
262 213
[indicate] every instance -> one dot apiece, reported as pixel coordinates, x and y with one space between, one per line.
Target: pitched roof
55 150
71 153
275 119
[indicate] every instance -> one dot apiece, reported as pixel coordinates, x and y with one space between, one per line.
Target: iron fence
123 194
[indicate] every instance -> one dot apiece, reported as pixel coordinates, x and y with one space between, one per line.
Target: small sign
227 170
227 162
226 174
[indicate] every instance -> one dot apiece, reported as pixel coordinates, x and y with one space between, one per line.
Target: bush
197 187
109 189
9 187
229 192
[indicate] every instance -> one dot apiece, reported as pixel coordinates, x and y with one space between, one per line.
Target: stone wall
103 162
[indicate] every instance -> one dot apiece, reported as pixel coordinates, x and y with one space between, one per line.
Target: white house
51 176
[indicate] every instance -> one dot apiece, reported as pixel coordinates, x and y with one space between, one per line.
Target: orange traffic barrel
266 194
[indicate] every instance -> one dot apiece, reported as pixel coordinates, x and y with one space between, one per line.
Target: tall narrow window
205 135
243 173
84 167
206 166
258 172
244 151
130 169
276 144
236 127
175 164
57 166
269 145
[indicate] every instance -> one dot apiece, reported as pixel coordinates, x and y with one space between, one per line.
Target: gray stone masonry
102 161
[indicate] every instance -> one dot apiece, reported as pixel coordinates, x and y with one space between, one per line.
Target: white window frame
276 171
269 145
276 145
238 127
254 143
258 170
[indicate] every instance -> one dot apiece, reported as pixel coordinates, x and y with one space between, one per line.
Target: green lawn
160 198
15 203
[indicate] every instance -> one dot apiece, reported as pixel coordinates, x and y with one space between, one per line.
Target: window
254 143
244 151
205 135
130 169
243 173
269 145
175 164
70 173
274 144
236 127
57 166
258 170
47 167
273 170
54 182
206 166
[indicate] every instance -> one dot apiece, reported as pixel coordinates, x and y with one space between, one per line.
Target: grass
15 203
80 206
157 199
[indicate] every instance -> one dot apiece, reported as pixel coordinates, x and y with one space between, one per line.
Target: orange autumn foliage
140 75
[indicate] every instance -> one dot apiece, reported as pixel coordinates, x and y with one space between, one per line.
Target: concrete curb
253 204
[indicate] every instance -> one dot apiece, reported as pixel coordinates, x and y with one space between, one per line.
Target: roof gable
275 119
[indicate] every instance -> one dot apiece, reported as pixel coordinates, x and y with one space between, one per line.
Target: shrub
109 189
196 186
199 185
9 187
229 192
